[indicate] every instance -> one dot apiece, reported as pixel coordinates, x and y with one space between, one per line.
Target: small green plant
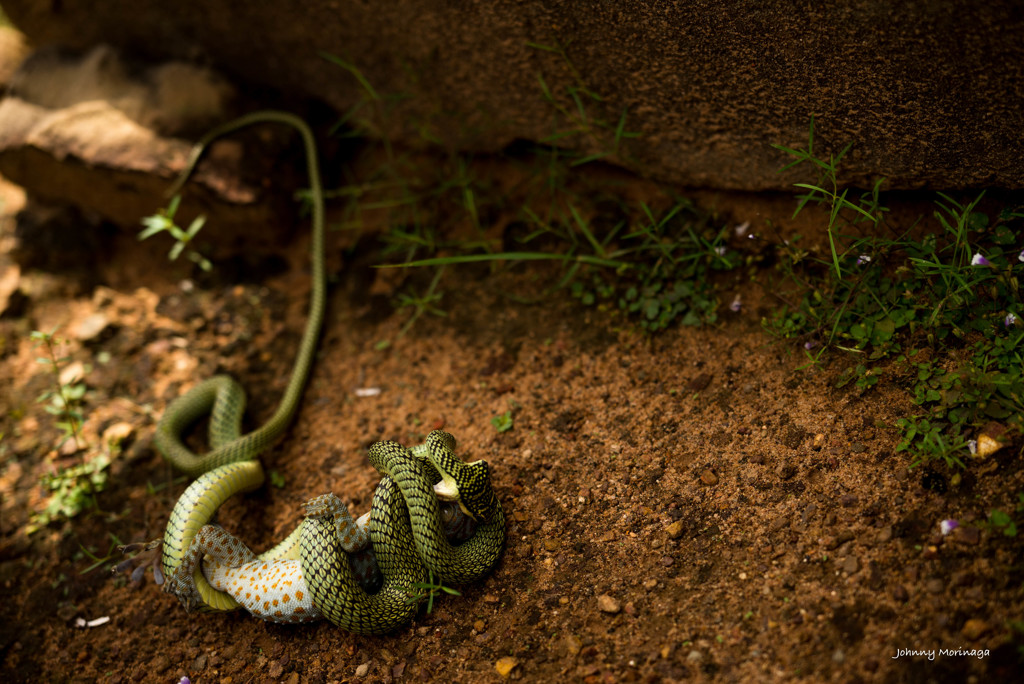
97 560
927 439
954 287
574 118
63 401
665 271
421 304
72 490
826 190
429 590
660 271
503 421
163 221
276 479
1005 522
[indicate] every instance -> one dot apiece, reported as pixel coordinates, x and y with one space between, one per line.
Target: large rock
930 93
105 135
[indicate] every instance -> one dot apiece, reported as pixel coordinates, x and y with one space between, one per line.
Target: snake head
475 494
467 483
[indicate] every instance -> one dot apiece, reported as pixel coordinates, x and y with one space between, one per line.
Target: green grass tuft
939 311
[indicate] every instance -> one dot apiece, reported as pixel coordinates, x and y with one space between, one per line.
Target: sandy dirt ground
689 506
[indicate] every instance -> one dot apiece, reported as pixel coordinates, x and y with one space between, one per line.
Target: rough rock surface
929 93
103 134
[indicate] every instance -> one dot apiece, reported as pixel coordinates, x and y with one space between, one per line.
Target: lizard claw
146 554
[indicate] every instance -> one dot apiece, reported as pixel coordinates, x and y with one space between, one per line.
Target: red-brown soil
689 506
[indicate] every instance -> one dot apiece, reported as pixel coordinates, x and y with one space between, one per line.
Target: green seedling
63 401
421 304
163 221
1006 522
429 590
71 491
572 108
659 272
502 422
826 190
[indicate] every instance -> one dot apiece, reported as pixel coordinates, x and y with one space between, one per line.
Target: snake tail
223 399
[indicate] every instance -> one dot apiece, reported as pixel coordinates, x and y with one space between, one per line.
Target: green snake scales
308 575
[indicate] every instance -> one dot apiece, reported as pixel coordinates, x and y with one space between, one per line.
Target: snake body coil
406 527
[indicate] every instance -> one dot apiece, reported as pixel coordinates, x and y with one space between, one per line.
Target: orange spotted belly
272 590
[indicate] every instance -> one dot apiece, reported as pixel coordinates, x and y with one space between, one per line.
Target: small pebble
607 604
709 478
819 441
550 544
72 373
479 625
987 446
117 433
572 644
849 565
966 534
504 666
650 584
974 628
675 530
695 656
961 579
884 534
363 669
92 327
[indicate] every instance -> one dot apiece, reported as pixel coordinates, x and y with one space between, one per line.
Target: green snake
223 399
408 544
405 527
